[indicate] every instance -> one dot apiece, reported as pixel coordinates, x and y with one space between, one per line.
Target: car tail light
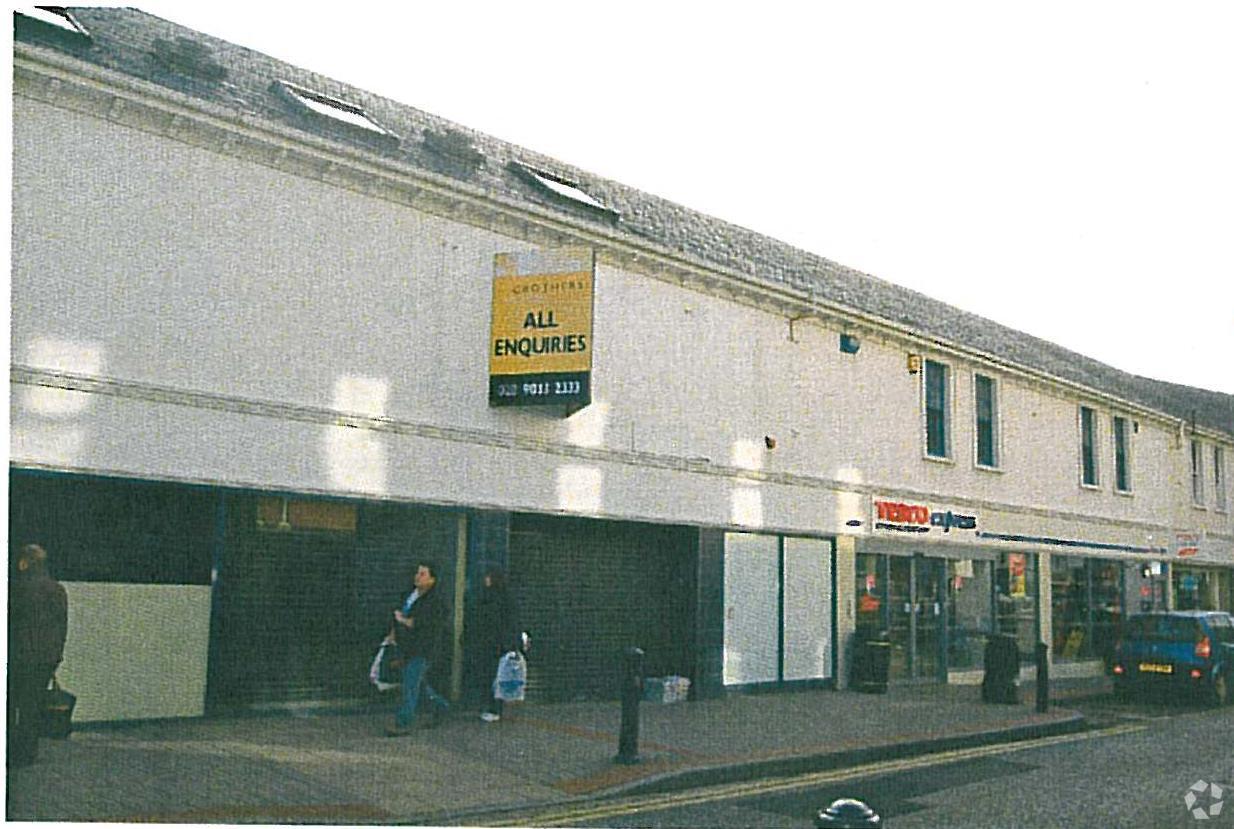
1196 673
1118 669
1204 648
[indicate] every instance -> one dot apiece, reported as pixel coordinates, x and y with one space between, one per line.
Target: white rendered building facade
251 351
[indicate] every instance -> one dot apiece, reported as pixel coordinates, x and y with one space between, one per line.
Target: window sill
937 459
983 468
1125 493
1203 507
1091 487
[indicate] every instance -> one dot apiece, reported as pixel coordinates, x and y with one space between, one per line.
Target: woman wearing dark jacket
497 631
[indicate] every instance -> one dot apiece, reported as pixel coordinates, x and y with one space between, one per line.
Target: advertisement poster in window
1017 571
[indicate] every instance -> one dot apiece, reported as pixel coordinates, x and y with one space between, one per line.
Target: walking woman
497 631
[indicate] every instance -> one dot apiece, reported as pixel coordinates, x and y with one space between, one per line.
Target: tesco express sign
918 518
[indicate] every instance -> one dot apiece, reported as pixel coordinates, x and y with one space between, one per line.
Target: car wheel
1122 691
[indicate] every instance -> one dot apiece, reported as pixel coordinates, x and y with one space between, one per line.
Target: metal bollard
631 696
1043 677
847 813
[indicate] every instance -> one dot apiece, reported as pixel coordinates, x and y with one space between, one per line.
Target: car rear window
1163 628
1223 628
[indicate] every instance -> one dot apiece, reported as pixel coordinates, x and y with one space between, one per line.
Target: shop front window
1086 606
869 592
968 617
1107 606
1193 589
1015 600
1145 588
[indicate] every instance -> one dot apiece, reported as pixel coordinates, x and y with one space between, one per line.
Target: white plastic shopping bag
383 673
511 681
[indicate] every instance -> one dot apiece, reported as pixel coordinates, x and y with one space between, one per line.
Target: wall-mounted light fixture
849 344
769 441
914 363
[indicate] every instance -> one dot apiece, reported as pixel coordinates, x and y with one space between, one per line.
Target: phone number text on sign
539 389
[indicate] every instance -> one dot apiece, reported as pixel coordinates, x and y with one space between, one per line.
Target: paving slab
340 768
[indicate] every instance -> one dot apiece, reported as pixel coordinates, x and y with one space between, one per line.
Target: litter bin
871 658
1001 682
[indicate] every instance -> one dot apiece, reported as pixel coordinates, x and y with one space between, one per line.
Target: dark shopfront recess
590 589
298 610
99 529
301 608
300 605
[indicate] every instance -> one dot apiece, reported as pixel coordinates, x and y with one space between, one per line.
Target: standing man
419 630
38 624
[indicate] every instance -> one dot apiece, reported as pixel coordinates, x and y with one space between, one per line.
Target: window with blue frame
1122 455
937 409
1197 473
1088 447
986 393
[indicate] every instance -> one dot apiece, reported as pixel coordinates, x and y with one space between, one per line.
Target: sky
1066 169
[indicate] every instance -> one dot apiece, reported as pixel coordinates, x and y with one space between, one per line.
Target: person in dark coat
38 625
419 630
497 631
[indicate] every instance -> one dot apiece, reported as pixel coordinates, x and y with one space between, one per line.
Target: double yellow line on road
568 815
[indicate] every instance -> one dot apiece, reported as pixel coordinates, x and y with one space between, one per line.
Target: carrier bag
386 670
58 705
511 682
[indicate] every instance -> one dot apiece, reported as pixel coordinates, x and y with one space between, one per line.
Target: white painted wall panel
136 651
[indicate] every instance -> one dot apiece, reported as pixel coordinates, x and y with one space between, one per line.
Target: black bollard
1043 677
631 696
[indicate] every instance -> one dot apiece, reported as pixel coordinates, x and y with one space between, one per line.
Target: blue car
1191 650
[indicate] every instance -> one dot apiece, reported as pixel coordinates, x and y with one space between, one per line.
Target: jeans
413 679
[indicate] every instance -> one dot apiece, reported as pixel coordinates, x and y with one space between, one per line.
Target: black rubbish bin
871 658
1001 682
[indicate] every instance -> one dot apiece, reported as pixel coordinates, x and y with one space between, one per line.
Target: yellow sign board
540 344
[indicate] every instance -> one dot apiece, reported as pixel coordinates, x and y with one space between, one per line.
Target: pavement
338 767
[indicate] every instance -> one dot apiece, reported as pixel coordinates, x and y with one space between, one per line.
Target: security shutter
588 590
284 598
302 612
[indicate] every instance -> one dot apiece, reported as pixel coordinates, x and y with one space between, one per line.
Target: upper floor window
937 382
1088 447
1122 455
1197 473
985 391
1219 478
